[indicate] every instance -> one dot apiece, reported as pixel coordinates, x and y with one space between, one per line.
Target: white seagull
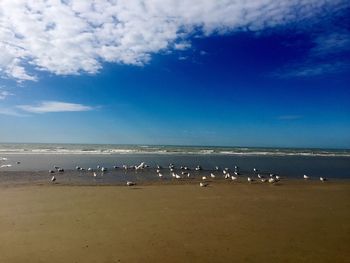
129 183
272 180
201 184
212 175
306 177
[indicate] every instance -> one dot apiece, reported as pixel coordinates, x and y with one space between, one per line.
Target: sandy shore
293 222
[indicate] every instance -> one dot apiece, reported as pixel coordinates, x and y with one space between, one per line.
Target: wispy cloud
4 94
289 117
310 69
331 43
322 58
54 106
11 112
74 37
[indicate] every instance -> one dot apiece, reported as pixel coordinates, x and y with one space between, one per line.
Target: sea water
331 163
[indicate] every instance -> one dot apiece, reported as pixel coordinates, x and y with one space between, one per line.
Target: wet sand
295 221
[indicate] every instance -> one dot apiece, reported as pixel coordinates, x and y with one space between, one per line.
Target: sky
217 72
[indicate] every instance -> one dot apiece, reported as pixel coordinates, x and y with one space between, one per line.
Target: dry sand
293 222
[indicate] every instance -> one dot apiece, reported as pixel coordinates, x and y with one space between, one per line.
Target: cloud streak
54 106
4 94
74 37
289 117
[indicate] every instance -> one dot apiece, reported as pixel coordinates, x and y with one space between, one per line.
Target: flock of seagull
185 173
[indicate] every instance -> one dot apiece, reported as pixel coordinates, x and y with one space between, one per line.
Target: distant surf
33 148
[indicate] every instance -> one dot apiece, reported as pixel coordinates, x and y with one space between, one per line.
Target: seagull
177 176
95 174
271 175
77 167
272 180
201 184
140 166
51 171
306 177
159 167
259 176
103 169
53 179
216 168
56 167
160 175
250 179
255 170
322 179
158 171
173 174
277 177
171 169
263 180
89 169
186 174
236 173
212 175
227 175
115 167
234 178
198 168
129 183
60 170
224 171
98 166
204 178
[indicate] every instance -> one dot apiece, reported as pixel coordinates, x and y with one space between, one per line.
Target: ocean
288 162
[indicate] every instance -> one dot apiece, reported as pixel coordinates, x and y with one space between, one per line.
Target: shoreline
143 178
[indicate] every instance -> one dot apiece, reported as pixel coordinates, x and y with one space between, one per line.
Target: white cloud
54 106
182 45
11 112
4 94
76 36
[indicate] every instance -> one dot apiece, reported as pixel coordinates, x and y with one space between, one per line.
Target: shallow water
290 166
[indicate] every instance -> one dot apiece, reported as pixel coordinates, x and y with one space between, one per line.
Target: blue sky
173 72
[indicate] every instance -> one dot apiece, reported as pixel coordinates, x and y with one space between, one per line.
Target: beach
293 221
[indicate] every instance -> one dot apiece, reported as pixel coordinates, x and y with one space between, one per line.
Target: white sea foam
161 150
5 165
